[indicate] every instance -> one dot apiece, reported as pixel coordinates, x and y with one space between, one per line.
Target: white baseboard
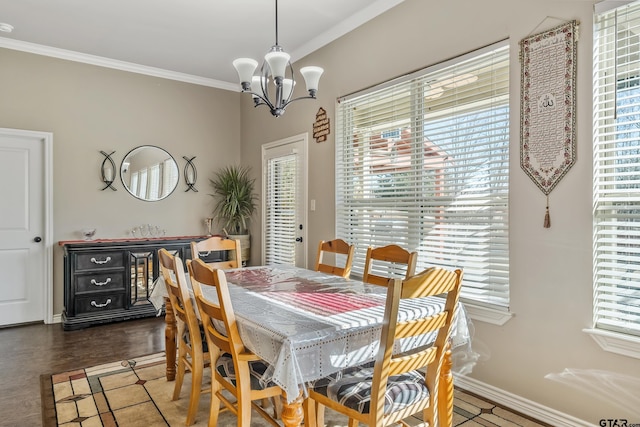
519 404
57 318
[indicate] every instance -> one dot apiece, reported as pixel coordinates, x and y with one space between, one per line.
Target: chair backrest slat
425 325
400 365
215 244
337 246
391 256
218 339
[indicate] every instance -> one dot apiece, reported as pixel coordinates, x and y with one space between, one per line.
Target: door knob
37 239
298 239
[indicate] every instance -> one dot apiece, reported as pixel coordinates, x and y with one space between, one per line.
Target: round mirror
149 173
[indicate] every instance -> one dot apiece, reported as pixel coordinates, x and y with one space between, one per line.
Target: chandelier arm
298 99
264 79
264 101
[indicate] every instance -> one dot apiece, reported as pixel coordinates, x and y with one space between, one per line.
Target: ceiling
188 40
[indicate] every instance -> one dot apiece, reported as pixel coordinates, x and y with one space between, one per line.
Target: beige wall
88 109
551 282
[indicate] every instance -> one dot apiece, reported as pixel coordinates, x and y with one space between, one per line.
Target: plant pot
245 246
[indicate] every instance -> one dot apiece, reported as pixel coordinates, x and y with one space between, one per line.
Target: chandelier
276 68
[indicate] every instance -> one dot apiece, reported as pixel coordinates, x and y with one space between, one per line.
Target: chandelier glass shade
274 85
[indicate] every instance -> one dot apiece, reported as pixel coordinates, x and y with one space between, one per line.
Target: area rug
135 392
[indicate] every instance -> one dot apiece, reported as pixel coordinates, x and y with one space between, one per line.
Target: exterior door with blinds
284 192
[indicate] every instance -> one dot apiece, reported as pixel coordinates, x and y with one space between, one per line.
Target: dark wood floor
28 351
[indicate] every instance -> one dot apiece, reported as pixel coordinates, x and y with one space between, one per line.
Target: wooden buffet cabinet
111 280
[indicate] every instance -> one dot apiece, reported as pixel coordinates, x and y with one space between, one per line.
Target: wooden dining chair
193 352
394 388
237 370
392 258
215 244
337 246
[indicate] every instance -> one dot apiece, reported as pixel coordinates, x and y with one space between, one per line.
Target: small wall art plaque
321 126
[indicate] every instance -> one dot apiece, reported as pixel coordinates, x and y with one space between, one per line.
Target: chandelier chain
276 22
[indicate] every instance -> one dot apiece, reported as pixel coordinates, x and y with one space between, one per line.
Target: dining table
307 325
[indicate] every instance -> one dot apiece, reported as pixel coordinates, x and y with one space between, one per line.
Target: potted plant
235 204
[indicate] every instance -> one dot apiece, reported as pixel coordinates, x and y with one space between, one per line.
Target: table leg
445 391
170 339
292 412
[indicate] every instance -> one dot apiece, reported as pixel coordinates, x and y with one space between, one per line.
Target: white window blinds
153 173
423 162
280 210
169 176
142 183
617 170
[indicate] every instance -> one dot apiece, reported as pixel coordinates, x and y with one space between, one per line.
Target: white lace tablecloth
308 325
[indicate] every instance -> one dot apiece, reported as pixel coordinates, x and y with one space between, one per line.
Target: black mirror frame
124 170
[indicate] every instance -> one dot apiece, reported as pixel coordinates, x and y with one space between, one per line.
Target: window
423 162
617 171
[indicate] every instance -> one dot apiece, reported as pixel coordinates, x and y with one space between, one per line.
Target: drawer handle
204 254
95 261
93 282
95 304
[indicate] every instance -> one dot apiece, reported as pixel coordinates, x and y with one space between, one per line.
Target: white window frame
411 221
616 263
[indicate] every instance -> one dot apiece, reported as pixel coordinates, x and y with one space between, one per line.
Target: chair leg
214 409
277 407
196 387
265 403
353 422
310 415
179 377
428 417
244 404
182 352
319 414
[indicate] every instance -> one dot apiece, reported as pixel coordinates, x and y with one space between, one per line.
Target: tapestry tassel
547 219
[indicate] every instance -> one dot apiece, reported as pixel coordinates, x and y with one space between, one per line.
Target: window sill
625 345
488 315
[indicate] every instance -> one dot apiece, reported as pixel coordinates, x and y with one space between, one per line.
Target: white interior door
284 219
24 294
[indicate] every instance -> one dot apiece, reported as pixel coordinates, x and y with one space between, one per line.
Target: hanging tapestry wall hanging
547 106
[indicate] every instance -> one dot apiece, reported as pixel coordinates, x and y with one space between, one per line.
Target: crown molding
361 17
114 64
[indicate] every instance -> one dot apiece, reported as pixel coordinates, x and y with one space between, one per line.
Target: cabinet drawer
100 282
98 260
99 302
